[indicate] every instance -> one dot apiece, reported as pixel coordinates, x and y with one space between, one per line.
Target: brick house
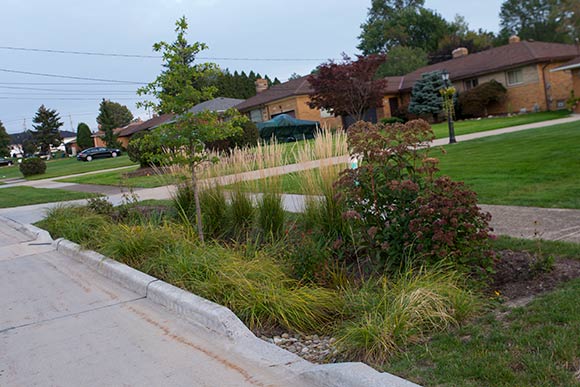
523 67
573 68
290 98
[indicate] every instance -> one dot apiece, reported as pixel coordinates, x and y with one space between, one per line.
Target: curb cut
220 320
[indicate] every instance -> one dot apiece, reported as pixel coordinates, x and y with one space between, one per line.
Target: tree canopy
46 123
4 141
542 20
402 60
112 115
84 139
348 88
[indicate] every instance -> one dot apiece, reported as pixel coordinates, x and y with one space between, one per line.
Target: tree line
414 36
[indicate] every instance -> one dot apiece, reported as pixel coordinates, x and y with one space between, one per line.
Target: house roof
220 104
572 64
299 86
154 122
496 59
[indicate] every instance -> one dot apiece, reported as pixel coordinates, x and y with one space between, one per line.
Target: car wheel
10 163
89 158
114 154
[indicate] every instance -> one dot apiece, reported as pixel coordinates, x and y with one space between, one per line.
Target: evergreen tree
112 115
84 139
425 97
4 141
29 146
46 125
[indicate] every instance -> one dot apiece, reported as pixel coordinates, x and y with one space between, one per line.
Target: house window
326 113
515 77
471 83
256 115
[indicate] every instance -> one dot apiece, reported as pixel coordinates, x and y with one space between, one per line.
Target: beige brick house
290 98
523 67
573 68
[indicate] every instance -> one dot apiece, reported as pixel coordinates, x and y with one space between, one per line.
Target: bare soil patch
519 276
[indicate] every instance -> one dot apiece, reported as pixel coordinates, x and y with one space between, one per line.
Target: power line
49 98
65 90
63 83
159 56
71 77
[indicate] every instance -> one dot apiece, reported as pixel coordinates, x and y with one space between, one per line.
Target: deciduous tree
542 20
403 60
4 141
348 88
175 89
46 124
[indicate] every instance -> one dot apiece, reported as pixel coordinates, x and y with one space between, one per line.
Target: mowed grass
68 166
473 126
24 196
537 167
536 345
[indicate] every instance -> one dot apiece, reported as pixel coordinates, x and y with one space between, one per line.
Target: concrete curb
122 274
218 319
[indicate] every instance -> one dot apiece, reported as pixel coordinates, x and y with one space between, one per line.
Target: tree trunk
197 204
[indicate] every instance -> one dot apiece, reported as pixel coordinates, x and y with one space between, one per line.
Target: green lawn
537 167
24 196
473 126
68 166
536 345
116 178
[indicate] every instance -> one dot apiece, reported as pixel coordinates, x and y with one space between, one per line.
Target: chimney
261 85
514 39
459 52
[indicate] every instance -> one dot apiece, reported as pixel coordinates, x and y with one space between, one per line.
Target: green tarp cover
286 128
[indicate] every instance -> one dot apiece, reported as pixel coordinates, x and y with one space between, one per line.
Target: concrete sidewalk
63 324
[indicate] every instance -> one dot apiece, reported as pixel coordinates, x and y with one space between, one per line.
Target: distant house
573 68
218 105
523 67
125 133
289 98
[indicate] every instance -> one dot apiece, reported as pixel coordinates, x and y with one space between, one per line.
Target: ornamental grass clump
399 208
77 224
388 314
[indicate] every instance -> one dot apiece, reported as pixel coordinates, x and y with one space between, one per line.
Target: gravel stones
314 348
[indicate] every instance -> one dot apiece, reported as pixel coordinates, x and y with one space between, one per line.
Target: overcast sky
254 29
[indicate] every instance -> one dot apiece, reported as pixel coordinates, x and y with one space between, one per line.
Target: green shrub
474 102
392 120
100 205
32 166
145 150
271 215
387 314
400 213
77 224
214 209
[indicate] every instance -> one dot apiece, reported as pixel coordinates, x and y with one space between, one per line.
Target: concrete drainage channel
216 318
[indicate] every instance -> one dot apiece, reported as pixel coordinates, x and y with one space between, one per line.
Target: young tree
112 115
46 134
425 97
4 141
176 92
402 60
84 139
349 88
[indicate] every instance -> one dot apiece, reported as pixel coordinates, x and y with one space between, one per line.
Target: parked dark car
5 162
98 153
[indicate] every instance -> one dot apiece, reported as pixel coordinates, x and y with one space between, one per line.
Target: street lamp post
449 106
